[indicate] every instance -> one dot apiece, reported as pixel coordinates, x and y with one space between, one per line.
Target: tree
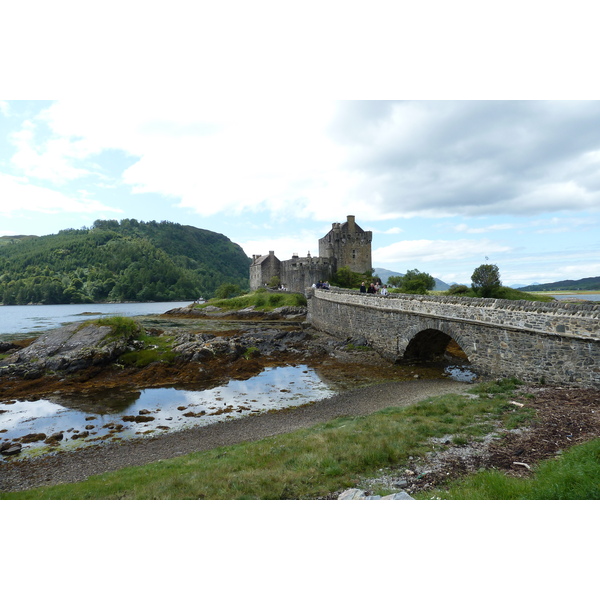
227 290
395 280
486 281
345 278
415 282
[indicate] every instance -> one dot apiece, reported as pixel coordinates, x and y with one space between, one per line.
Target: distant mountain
120 262
384 275
585 284
519 286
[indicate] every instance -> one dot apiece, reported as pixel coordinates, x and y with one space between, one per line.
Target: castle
346 245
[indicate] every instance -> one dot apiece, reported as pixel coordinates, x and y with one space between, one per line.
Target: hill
13 239
384 274
585 284
121 261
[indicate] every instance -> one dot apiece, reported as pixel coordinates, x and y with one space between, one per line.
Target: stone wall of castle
297 274
346 245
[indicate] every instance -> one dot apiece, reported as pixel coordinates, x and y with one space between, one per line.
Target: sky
465 139
443 185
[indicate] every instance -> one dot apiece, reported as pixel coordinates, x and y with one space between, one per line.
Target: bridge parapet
562 318
554 342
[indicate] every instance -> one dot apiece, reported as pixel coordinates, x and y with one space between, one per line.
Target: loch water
35 319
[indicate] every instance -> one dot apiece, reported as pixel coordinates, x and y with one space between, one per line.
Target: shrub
457 290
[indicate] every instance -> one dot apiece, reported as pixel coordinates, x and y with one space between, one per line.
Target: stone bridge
554 342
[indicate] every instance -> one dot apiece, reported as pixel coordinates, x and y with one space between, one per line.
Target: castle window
353 253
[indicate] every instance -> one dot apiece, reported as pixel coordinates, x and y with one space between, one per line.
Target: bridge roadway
554 342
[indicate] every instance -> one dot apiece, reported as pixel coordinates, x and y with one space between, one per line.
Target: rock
138 418
11 449
352 494
356 494
69 349
55 438
33 437
398 496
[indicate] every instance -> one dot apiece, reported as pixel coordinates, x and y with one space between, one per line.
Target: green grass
121 326
316 461
262 300
156 349
574 475
307 463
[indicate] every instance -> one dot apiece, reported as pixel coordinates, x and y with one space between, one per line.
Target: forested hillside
586 284
121 261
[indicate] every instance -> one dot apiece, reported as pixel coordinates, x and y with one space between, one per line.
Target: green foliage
457 289
414 282
274 282
395 280
345 278
227 290
156 349
486 281
121 326
120 261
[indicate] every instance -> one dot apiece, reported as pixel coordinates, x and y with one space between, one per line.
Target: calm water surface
111 413
36 319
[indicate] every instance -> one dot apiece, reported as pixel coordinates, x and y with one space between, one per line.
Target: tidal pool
112 415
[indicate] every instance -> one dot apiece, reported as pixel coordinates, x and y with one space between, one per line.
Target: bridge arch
434 345
433 342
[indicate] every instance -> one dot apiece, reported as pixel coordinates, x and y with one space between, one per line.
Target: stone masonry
346 245
533 341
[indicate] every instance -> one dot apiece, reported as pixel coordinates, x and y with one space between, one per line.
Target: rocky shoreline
86 357
65 467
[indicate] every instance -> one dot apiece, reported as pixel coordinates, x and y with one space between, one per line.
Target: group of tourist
321 285
374 288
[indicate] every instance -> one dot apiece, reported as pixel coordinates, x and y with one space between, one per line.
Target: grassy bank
317 461
262 299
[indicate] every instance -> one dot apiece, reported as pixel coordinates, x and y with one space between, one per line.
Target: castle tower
349 245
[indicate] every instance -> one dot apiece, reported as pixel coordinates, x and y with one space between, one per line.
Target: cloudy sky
223 118
444 185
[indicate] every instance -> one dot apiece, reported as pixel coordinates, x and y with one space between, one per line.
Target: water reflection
120 415
463 374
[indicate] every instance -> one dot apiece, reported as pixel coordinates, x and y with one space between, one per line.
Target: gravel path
66 467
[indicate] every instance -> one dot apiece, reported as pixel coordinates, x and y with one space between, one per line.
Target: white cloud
20 195
285 246
410 251
462 227
379 160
